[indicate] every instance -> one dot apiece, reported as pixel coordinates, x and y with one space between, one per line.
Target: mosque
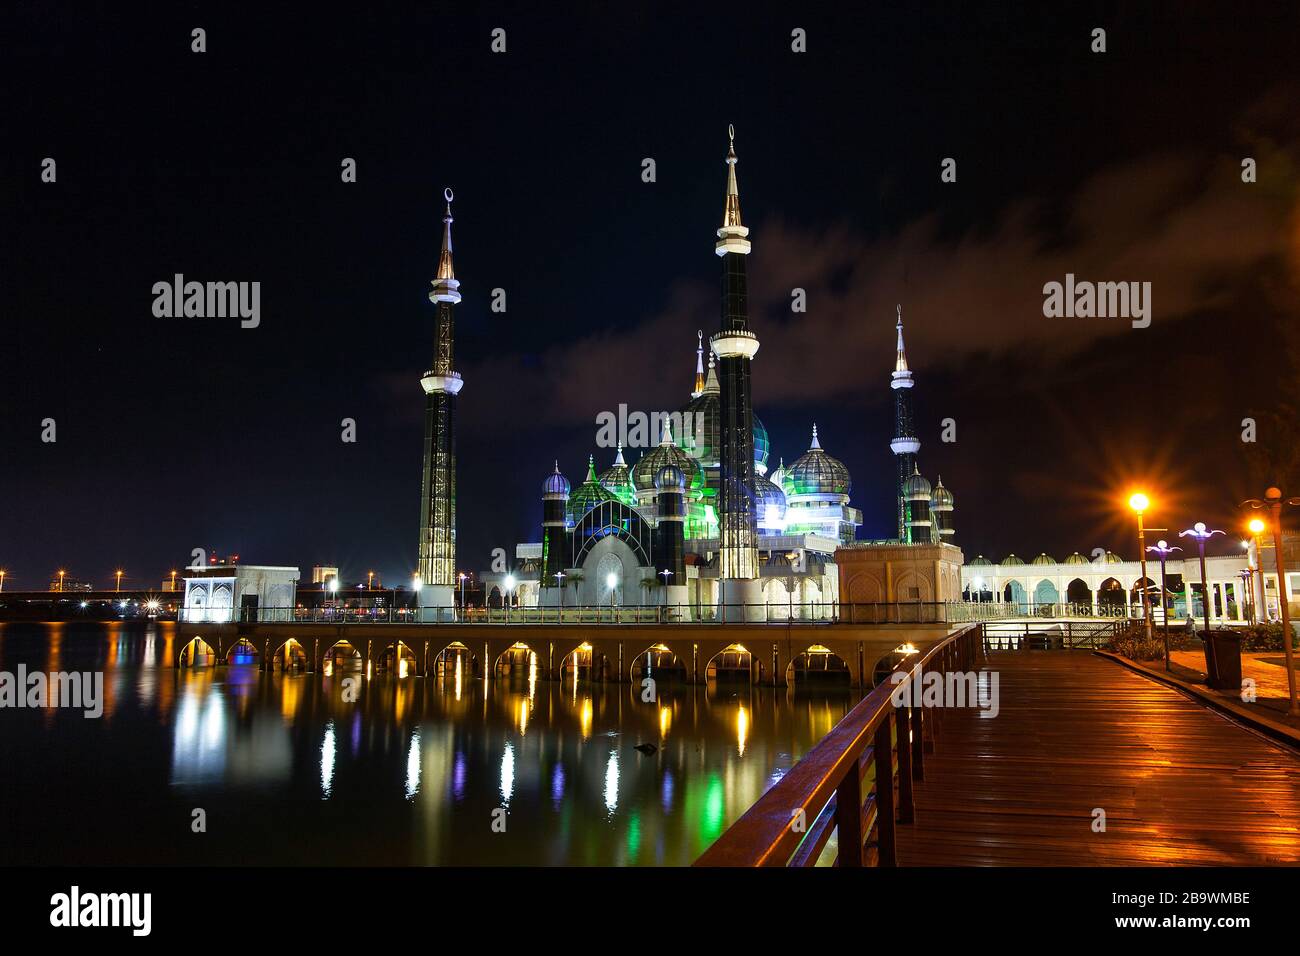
701 525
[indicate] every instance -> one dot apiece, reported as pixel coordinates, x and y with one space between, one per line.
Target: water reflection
408 773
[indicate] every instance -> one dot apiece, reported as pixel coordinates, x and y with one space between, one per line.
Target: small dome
617 480
670 478
666 452
980 562
941 500
556 483
1113 558
769 504
916 487
588 494
1043 559
817 473
1011 560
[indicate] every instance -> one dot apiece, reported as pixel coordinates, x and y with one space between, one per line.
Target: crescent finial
447 194
731 133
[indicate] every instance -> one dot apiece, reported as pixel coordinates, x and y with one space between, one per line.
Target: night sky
175 433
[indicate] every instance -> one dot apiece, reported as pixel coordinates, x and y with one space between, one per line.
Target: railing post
905 805
918 722
848 817
886 826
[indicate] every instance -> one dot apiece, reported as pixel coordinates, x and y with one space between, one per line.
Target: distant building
322 575
70 584
237 592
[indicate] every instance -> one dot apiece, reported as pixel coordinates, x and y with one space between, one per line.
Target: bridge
1083 763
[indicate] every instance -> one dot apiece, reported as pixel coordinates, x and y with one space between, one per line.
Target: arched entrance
399 660
341 658
455 662
244 652
658 663
1079 596
290 657
197 653
1112 599
818 666
1046 597
732 664
584 663
517 662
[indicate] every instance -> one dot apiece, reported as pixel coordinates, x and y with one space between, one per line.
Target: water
287 773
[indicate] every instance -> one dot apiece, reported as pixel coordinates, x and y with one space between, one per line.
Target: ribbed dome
670 477
1077 558
817 473
980 562
1113 558
1010 559
770 504
941 500
588 494
702 427
1043 559
555 483
617 480
666 453
916 487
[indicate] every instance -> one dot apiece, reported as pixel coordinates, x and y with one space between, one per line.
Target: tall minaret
699 366
437 567
735 347
905 444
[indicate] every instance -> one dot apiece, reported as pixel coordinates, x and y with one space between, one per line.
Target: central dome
817 473
667 453
702 428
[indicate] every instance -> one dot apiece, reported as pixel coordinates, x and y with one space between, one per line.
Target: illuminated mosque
701 519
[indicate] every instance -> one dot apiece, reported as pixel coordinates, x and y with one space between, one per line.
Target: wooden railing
823 794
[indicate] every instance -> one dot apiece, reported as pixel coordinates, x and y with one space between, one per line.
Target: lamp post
1247 575
611 580
1202 534
1139 503
117 588
61 574
1257 527
2 580
559 582
1273 500
1162 548
173 580
417 584
666 574
510 586
460 579
370 580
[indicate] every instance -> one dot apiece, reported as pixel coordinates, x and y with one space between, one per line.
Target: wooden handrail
826 792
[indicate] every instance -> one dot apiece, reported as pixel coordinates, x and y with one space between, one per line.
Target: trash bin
1227 660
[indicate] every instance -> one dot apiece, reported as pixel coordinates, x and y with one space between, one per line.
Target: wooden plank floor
1179 784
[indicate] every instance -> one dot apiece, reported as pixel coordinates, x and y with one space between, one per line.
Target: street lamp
1139 503
118 586
611 581
417 584
173 580
1162 548
559 582
1202 534
510 586
1273 500
1247 576
2 579
1257 527
460 579
61 574
370 580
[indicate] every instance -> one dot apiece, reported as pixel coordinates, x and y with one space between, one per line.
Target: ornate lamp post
1202 534
559 582
1246 575
1162 548
2 579
417 584
1257 527
460 579
117 588
510 586
1273 500
1139 503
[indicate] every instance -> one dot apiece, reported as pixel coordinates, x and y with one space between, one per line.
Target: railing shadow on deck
823 794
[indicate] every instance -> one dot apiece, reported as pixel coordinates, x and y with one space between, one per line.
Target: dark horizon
175 434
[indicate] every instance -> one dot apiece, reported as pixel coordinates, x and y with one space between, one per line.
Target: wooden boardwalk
1179 784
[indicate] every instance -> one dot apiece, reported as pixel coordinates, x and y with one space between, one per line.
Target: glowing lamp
1139 502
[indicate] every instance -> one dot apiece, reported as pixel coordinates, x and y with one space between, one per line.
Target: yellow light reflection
742 728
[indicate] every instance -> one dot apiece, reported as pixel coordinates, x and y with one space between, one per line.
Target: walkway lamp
559 582
611 582
1203 534
510 586
118 586
1256 527
1273 500
417 585
2 580
460 579
1162 548
1247 577
61 574
1139 503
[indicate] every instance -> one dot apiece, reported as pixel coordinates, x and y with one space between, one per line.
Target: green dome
705 442
588 494
617 480
1010 559
980 562
667 453
817 473
1077 558
942 498
1043 559
916 487
769 505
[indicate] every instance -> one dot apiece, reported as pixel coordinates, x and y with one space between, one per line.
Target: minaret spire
699 365
905 444
441 384
735 346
